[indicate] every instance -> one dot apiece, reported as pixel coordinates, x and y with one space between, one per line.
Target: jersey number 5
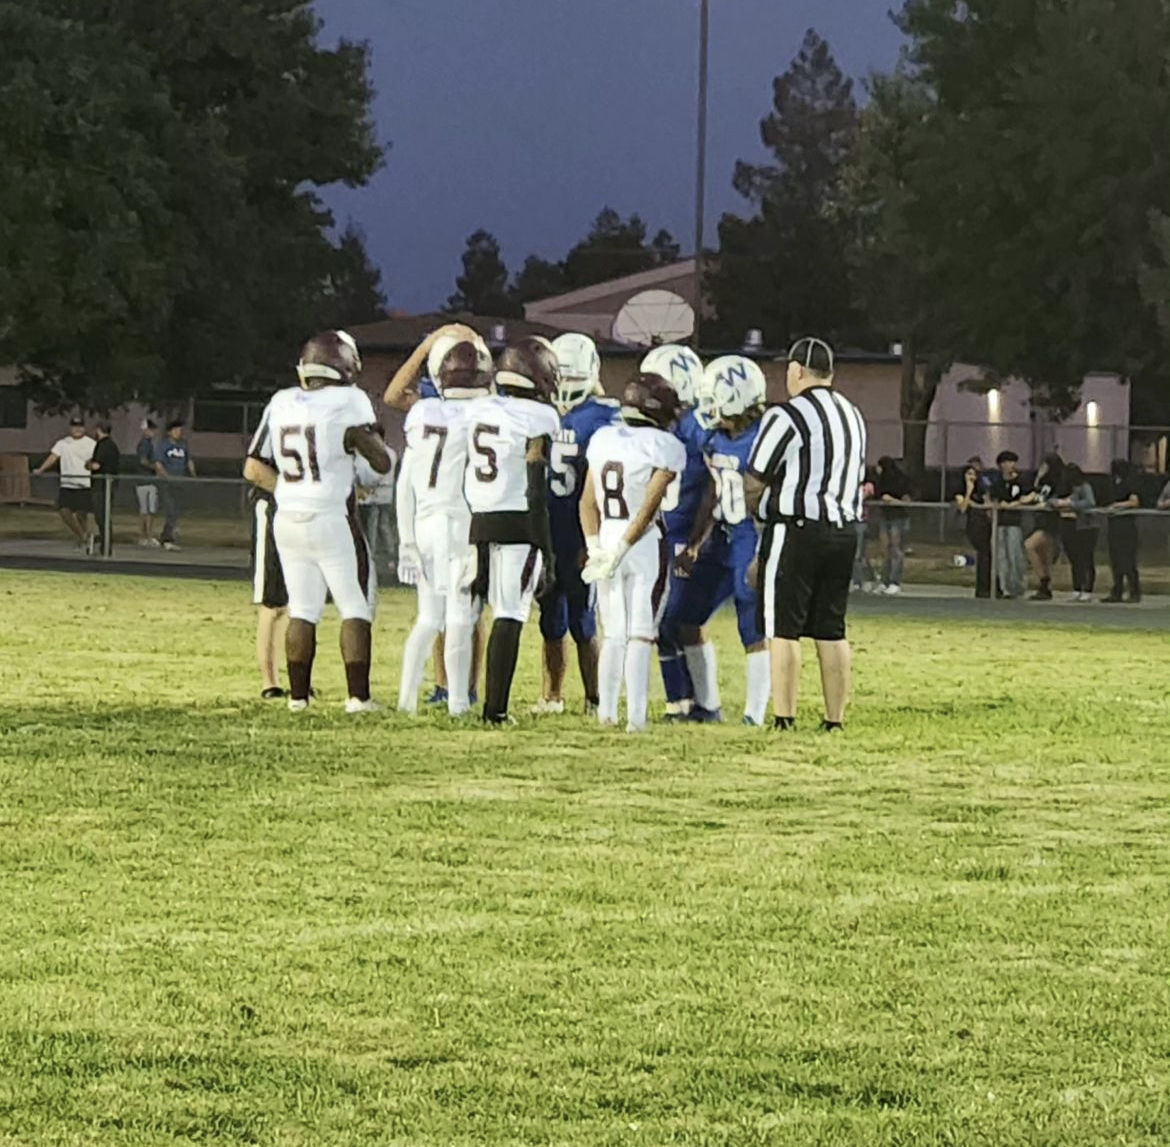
489 471
299 445
613 485
563 469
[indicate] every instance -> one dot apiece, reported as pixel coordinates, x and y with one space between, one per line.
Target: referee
804 482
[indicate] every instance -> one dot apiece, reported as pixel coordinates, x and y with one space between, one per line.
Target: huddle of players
521 484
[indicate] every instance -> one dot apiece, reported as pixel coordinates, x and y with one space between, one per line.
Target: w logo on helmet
735 373
680 364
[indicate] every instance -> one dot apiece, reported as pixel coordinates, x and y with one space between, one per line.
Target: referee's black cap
813 354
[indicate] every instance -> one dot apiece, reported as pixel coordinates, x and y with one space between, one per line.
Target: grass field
225 925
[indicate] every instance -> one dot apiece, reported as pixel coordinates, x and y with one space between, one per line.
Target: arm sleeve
771 446
261 447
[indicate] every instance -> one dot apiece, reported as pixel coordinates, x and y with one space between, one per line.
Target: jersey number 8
613 485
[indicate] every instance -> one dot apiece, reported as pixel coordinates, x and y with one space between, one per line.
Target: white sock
759 686
637 684
613 656
457 662
704 667
414 663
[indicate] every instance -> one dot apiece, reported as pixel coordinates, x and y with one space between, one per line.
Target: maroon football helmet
465 371
329 359
650 400
528 369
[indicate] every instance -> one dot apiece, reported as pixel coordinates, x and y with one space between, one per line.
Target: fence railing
207 522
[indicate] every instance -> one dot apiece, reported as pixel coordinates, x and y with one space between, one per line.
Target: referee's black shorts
268 588
804 573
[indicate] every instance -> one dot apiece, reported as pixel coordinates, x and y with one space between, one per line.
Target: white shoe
174 547
893 590
546 708
154 543
353 705
1086 597
146 542
297 706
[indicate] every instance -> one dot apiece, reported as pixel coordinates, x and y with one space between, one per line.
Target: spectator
1043 544
1079 531
75 493
1123 533
172 462
974 492
863 575
104 465
147 492
376 508
893 487
1009 492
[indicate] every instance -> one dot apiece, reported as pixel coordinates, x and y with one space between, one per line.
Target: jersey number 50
299 445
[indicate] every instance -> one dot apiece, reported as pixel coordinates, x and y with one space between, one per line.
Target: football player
688 668
631 467
567 606
304 453
509 436
722 548
434 521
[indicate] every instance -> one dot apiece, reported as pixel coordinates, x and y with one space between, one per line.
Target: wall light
993 404
1092 413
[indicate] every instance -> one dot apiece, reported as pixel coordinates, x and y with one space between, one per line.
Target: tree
782 268
355 284
539 279
158 165
1046 123
616 247
482 289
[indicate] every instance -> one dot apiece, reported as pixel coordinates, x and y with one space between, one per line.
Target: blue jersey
427 389
566 472
680 507
728 456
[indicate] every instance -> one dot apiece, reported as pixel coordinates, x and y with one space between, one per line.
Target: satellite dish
651 318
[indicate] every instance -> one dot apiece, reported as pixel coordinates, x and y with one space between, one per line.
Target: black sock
300 676
503 652
357 679
784 723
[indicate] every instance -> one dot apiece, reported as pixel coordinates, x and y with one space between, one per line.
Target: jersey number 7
299 453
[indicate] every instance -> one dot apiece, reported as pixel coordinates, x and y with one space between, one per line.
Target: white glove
603 564
409 564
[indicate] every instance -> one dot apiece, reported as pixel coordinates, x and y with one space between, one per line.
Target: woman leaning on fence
1078 523
973 493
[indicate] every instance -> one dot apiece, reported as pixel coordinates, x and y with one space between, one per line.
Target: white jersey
302 435
622 459
436 436
498 431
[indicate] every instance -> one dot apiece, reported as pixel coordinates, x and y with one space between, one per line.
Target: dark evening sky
526 117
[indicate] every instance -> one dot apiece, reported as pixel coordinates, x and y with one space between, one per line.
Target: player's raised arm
400 390
365 441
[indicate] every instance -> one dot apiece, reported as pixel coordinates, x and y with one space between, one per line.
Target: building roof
404 332
680 276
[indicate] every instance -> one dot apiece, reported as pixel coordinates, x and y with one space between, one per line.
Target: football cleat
701 716
546 708
296 705
680 366
329 359
356 705
437 697
580 367
649 400
529 369
274 693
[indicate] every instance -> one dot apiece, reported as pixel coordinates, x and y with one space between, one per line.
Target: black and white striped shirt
810 453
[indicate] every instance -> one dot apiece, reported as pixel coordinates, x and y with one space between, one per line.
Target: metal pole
701 172
994 552
942 483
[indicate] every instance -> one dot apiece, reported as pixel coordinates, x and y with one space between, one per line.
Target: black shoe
1135 599
832 727
1042 595
784 724
1112 599
273 694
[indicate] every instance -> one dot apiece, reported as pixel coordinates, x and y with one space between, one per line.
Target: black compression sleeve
538 508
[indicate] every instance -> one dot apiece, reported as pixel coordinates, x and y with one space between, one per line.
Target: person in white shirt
508 440
631 465
74 495
304 452
375 499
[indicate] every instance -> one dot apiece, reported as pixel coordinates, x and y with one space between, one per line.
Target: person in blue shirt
683 675
715 566
567 606
172 460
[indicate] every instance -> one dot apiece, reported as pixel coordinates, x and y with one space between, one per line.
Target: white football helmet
732 386
580 370
469 378
680 366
